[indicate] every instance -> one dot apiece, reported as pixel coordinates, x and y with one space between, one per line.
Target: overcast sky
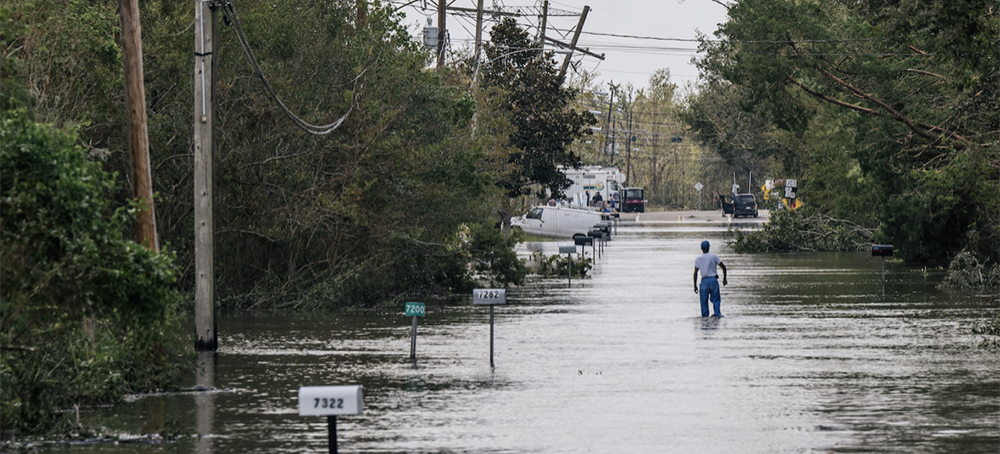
627 59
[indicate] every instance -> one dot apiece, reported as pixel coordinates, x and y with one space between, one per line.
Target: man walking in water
706 263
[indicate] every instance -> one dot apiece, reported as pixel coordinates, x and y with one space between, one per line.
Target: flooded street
810 357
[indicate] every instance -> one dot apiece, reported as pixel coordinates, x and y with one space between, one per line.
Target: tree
912 84
537 107
86 315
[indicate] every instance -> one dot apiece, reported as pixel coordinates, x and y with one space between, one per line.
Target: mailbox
567 249
583 240
330 400
881 250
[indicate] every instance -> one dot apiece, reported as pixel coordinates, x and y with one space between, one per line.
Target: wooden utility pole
442 32
479 30
576 37
545 16
205 19
138 133
362 7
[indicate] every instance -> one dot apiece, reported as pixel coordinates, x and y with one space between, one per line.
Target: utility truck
592 179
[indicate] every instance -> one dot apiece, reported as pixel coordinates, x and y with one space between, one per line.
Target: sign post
415 310
568 250
882 250
491 297
331 401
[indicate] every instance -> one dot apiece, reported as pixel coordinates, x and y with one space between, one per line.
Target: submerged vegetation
967 272
990 330
803 230
558 265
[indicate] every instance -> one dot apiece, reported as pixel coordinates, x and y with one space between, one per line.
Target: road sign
415 309
791 183
698 186
330 400
489 296
789 192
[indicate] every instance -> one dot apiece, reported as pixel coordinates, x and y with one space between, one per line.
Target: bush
87 315
556 265
991 331
966 272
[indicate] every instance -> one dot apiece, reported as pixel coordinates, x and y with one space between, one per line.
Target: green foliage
966 272
538 108
894 105
990 329
494 254
557 265
802 230
85 314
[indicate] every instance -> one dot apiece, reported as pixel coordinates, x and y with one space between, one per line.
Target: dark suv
744 205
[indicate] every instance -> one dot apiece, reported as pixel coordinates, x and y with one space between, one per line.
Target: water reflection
205 402
810 357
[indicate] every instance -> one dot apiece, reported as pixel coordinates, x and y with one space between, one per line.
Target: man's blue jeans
710 289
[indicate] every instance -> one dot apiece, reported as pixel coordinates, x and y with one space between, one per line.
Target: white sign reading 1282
489 296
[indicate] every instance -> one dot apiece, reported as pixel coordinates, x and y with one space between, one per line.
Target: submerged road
811 357
713 218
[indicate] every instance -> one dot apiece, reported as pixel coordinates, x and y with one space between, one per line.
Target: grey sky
626 59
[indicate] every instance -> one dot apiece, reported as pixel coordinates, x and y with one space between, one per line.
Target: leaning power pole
138 132
205 19
576 37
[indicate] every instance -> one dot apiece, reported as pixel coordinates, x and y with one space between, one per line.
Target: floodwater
809 357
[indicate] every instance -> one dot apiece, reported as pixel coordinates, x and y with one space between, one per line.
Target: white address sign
330 400
489 296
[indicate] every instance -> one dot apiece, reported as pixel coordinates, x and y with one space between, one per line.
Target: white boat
558 221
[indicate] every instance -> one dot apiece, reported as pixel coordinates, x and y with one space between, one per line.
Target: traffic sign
698 186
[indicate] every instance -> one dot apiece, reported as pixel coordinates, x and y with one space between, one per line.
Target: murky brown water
810 357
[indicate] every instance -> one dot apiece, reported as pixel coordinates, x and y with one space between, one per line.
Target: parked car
744 205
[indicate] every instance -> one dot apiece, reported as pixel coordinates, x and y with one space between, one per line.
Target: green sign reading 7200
415 309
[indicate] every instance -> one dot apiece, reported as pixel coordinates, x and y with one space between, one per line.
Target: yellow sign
796 204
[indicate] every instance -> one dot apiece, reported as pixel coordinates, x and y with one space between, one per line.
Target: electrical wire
228 11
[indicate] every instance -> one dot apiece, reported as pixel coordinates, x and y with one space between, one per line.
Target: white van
558 221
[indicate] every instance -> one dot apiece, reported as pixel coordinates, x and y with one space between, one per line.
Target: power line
227 11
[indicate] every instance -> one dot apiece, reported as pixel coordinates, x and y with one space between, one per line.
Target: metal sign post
568 250
882 250
415 310
331 401
491 297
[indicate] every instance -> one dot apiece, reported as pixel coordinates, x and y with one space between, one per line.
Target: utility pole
205 20
479 31
362 20
628 139
138 132
607 130
576 37
545 16
442 32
